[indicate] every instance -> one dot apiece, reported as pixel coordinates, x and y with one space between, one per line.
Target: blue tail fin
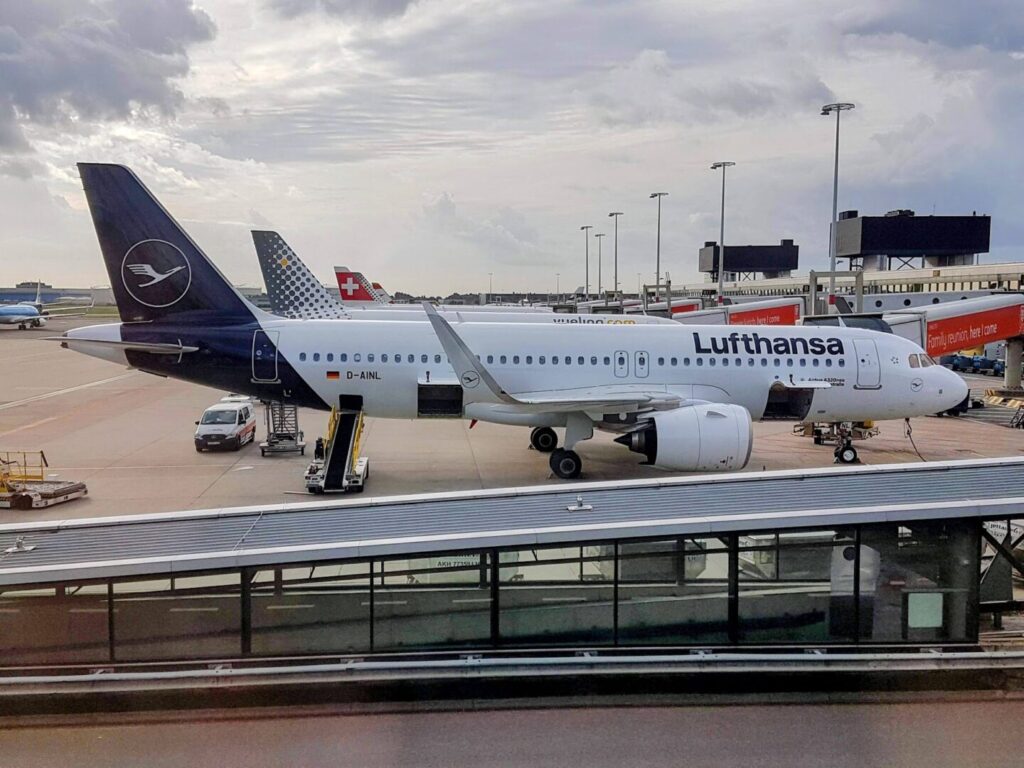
156 271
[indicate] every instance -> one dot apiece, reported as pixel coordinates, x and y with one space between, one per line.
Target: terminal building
876 557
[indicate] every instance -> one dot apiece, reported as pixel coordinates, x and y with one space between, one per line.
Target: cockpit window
914 362
927 361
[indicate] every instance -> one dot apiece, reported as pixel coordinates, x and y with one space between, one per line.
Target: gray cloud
993 24
359 9
73 60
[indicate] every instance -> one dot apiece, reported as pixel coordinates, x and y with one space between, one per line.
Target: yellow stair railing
22 467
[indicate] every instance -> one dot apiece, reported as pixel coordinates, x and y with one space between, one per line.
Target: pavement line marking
473 600
28 426
289 607
194 610
48 395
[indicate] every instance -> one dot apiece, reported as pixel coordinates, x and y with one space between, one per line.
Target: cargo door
621 364
869 374
264 356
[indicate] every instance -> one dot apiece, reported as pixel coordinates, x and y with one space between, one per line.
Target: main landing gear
566 464
544 439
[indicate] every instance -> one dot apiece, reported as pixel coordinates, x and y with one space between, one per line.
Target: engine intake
714 437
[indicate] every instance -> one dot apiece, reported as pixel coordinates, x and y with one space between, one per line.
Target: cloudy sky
430 142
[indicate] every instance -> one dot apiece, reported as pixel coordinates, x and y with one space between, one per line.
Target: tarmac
128 436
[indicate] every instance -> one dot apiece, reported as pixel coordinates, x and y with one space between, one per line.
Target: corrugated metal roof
176 542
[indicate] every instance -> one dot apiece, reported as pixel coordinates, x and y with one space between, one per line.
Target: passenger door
264 356
641 362
621 364
869 374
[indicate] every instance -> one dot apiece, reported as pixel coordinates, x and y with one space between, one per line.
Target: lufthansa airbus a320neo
684 396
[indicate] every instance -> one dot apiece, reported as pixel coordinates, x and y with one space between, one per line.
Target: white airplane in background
683 396
295 292
36 314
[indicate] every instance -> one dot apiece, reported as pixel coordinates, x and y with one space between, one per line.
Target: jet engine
713 437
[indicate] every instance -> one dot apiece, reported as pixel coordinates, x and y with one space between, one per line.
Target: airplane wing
472 373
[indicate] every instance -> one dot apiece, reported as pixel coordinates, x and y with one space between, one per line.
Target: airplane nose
953 388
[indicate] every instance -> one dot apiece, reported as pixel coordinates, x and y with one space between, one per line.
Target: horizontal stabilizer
134 346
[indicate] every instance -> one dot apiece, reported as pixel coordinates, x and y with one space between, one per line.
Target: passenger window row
916 361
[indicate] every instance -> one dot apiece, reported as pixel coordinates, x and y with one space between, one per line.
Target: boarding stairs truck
337 466
23 482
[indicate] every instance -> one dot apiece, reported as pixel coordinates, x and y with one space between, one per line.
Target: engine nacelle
715 437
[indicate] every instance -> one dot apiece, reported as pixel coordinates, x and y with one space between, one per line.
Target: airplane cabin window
842 363
369 357
423 358
607 360
725 361
568 360
541 359
750 362
554 359
316 357
675 361
777 362
661 361
302 357
927 361
803 362
356 357
490 358
828 363
343 357
700 361
739 361
764 362
593 360
789 362
384 358
515 359
503 359
711 362
437 358
529 359
815 362
330 357
914 362
581 360
412 358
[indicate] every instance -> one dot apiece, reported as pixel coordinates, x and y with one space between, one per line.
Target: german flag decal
333 375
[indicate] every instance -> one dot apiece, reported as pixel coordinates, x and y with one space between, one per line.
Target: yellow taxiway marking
28 426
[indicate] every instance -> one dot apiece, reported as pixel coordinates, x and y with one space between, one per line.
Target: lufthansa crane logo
470 379
916 385
156 273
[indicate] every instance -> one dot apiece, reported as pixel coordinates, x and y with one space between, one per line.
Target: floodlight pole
723 164
586 272
657 252
615 215
838 108
599 236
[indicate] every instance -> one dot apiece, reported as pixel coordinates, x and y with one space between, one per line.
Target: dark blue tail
156 271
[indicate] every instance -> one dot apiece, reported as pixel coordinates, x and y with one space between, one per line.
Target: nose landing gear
845 453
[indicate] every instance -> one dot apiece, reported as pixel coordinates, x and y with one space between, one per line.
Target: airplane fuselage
772 372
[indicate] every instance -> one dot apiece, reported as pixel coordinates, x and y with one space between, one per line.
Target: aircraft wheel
544 439
847 454
566 464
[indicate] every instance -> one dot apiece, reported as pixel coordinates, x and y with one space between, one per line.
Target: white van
231 423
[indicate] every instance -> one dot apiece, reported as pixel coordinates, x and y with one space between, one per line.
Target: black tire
847 454
199 448
544 439
566 464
